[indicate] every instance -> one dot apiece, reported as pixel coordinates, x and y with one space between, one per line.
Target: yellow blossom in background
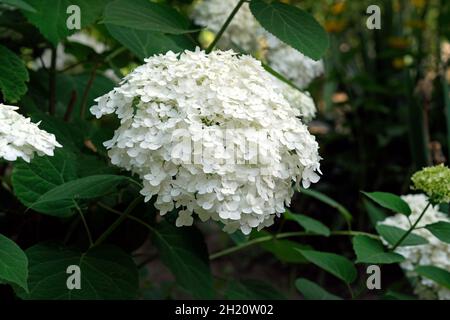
418 3
398 63
338 8
416 24
335 26
398 42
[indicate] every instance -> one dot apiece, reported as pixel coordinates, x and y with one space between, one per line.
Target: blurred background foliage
384 112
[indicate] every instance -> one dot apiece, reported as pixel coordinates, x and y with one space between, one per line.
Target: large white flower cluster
247 34
298 99
435 252
210 134
21 138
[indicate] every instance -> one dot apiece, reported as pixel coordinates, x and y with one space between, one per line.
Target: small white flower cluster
435 252
21 138
243 30
174 101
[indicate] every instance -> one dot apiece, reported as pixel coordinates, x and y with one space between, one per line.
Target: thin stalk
123 216
410 229
86 227
52 83
87 89
225 25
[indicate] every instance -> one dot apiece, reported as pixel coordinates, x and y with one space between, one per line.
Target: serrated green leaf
312 291
146 16
184 252
393 234
13 75
440 230
370 250
438 275
106 272
389 201
293 26
308 223
145 44
337 265
13 263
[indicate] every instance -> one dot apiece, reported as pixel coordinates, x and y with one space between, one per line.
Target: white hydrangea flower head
298 99
187 121
242 30
21 138
435 252
291 63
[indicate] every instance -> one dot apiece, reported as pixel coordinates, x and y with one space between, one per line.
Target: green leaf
337 265
389 201
51 16
13 263
308 223
32 180
13 75
438 275
106 273
61 198
440 230
285 250
21 4
184 252
327 200
312 291
252 290
370 250
375 214
146 16
393 234
147 43
293 26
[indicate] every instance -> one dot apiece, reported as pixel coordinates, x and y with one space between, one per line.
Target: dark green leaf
13 75
42 174
393 234
370 250
308 223
440 230
285 250
312 291
390 201
375 214
51 16
252 290
146 16
106 273
13 263
292 25
184 252
438 275
337 265
61 198
147 43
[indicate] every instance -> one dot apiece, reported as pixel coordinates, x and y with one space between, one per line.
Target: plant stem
52 83
283 236
410 229
86 90
225 25
123 216
83 219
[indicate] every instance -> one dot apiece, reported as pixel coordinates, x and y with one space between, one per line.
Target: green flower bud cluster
435 182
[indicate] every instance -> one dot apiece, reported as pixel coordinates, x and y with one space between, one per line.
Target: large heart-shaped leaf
106 272
184 252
